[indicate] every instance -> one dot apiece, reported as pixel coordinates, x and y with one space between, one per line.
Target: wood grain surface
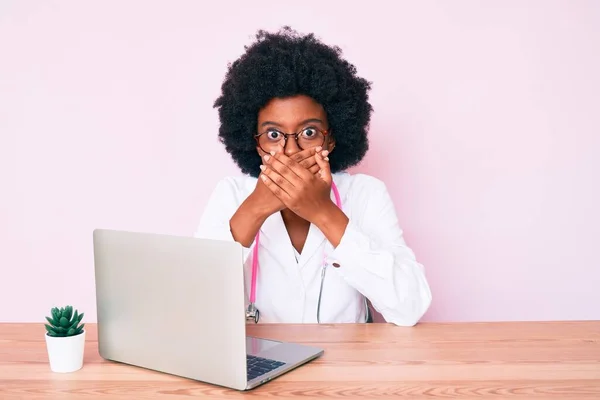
513 360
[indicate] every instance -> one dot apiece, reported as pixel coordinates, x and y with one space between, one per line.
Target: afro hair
285 64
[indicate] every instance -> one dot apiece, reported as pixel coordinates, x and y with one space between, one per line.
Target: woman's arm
369 247
231 216
222 204
373 257
252 213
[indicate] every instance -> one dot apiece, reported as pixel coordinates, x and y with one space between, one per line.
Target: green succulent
64 323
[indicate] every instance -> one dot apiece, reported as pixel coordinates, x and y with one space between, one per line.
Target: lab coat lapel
312 246
314 241
276 240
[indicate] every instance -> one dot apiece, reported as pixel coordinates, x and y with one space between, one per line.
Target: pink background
487 132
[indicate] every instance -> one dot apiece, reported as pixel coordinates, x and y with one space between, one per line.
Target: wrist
257 208
330 217
246 221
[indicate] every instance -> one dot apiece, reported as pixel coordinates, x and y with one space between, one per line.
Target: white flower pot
66 353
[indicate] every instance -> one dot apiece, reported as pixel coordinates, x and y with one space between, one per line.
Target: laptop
176 305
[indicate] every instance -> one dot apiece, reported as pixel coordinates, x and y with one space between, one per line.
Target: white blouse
374 260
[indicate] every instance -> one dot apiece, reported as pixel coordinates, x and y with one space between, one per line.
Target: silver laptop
176 305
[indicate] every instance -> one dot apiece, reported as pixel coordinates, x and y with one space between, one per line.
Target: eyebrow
306 121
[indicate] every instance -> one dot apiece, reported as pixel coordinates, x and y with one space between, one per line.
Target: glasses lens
310 137
270 140
307 138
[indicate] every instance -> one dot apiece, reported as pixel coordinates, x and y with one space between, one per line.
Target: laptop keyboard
258 366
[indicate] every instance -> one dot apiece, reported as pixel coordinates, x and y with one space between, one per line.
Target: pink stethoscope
252 313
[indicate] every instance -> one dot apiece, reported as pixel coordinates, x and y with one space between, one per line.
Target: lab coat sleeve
374 258
222 204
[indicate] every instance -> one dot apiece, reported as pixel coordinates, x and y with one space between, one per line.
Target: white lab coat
374 259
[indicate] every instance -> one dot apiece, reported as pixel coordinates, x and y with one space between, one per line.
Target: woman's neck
297 228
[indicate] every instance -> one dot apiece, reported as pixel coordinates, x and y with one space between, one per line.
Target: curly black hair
284 64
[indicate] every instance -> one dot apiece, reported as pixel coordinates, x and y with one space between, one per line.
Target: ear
330 143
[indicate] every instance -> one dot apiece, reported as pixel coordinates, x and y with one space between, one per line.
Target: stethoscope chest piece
252 313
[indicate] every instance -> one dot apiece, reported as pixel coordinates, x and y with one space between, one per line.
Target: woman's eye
309 132
273 135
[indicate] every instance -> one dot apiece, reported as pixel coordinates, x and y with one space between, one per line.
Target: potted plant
65 339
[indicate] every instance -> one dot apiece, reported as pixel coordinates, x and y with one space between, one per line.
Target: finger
304 154
314 169
301 173
277 179
308 162
273 163
325 170
275 189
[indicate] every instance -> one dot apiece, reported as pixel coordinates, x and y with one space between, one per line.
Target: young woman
318 241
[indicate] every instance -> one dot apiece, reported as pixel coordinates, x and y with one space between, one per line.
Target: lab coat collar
276 237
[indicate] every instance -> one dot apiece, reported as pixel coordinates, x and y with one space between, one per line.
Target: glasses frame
324 132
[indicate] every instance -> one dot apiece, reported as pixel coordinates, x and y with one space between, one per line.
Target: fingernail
326 159
264 178
267 157
272 153
318 148
262 167
325 153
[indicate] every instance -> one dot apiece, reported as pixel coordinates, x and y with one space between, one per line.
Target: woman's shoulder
362 195
239 183
233 188
358 182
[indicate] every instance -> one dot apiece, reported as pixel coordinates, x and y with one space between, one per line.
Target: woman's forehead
290 111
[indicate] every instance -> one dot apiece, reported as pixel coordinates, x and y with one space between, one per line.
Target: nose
291 146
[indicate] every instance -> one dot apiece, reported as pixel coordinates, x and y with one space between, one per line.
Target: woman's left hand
303 192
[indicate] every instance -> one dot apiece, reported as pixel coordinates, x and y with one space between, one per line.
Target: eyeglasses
305 139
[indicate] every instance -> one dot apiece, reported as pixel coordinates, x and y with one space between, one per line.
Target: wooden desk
466 361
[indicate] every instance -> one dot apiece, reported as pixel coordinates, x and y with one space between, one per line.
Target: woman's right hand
262 203
266 201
